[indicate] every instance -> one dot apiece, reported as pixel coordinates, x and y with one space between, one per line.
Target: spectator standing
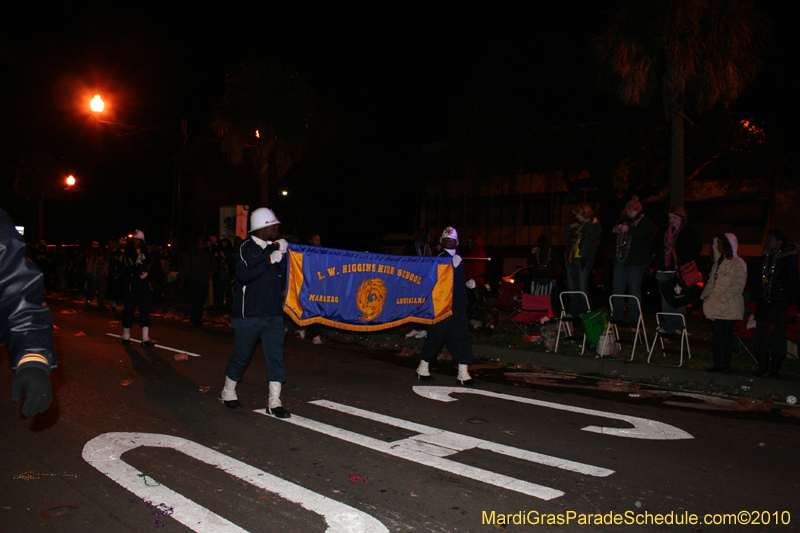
675 240
419 247
223 277
776 292
314 331
198 267
258 309
115 271
97 274
723 303
544 267
631 258
59 267
26 325
137 265
581 238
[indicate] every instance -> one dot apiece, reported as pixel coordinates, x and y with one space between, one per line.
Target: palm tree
697 53
266 117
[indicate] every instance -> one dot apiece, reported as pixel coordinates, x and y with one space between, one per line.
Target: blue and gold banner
366 292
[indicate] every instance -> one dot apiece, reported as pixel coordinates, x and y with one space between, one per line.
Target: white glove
140 259
456 260
282 245
275 257
751 322
471 284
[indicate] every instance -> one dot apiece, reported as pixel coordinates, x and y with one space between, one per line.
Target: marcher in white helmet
453 330
259 267
137 268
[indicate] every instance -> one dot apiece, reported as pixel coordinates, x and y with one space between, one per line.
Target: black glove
36 385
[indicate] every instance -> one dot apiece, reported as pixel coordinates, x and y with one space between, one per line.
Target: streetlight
97 104
70 181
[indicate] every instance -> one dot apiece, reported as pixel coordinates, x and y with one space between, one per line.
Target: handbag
688 272
675 292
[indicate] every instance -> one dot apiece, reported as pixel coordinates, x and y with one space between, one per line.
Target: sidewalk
639 371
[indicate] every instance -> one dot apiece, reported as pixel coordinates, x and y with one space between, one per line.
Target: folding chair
683 336
507 299
534 307
615 323
745 338
566 320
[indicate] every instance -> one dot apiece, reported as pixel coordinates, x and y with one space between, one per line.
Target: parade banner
361 291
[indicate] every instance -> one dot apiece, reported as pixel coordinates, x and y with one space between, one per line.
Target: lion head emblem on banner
370 298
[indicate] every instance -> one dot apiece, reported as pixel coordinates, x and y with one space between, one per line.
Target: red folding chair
534 308
508 300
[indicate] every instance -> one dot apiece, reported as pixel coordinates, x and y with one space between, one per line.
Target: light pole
97 105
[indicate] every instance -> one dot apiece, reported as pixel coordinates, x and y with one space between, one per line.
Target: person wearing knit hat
631 257
676 240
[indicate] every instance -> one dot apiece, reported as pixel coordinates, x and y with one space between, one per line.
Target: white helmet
449 233
261 218
139 234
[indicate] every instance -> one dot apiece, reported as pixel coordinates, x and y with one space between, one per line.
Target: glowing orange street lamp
97 104
70 181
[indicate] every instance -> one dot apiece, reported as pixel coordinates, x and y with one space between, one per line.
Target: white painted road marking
104 453
643 428
157 346
432 445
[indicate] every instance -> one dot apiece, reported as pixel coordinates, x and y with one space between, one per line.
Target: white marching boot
464 378
229 397
424 373
126 335
274 406
145 336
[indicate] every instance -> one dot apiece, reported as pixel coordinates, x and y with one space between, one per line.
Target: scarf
670 236
624 240
576 236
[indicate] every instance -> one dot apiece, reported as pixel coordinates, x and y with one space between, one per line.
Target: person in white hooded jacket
723 302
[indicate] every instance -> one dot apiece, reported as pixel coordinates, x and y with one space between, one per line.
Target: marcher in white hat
137 269
258 310
453 330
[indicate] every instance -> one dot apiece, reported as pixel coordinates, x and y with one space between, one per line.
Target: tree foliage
695 53
266 116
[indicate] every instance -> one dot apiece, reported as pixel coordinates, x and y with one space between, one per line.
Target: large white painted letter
104 453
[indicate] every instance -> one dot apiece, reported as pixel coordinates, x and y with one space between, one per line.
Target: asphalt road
369 448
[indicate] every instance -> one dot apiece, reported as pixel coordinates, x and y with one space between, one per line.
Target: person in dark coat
26 325
581 237
631 258
258 309
197 268
776 292
137 265
453 330
676 239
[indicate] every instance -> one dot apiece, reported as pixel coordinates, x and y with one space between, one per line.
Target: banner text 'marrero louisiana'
366 292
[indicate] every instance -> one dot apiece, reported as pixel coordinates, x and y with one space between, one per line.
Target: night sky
391 69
